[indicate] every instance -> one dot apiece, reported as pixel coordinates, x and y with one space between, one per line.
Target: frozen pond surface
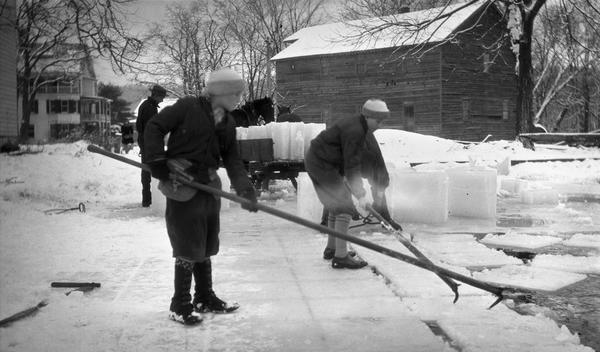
290 296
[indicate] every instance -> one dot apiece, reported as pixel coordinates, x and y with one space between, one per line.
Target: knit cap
224 81
376 109
158 90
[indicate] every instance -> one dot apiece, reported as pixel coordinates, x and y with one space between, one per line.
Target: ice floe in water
532 277
518 240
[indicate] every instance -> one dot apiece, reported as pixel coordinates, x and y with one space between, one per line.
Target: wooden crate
260 150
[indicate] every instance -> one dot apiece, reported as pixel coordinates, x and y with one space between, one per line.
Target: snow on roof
343 37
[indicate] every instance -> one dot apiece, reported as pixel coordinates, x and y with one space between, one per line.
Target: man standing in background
148 109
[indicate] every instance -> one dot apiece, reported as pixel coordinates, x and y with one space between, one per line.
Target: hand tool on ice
502 292
80 207
397 233
78 286
22 314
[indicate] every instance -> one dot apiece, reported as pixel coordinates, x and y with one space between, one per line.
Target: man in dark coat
201 132
373 168
334 162
146 111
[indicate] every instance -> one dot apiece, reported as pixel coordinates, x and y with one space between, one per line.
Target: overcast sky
141 14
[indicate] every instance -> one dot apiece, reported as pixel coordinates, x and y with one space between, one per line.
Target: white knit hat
224 81
376 109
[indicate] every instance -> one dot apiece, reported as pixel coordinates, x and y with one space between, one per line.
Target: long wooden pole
500 291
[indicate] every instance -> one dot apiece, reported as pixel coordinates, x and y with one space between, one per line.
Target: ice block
472 192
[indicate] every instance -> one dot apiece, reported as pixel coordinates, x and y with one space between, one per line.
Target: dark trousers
146 194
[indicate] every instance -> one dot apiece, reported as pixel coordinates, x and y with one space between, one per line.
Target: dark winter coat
334 163
373 165
147 110
341 146
193 226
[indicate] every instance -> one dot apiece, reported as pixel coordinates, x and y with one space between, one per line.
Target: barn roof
344 37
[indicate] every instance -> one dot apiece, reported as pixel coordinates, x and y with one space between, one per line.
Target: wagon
259 160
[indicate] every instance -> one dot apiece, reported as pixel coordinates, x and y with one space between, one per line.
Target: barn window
465 108
505 109
409 116
486 63
361 68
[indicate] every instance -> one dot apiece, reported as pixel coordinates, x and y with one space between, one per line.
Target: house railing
53 89
91 117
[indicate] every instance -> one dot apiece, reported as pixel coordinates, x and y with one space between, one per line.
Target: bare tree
55 37
565 62
193 42
259 28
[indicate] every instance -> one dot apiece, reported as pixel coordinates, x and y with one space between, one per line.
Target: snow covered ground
125 248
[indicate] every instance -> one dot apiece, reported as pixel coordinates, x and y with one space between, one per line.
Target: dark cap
158 90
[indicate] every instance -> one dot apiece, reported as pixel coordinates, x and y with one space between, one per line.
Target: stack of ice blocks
290 139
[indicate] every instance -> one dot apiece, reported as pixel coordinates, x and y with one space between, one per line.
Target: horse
255 113
286 114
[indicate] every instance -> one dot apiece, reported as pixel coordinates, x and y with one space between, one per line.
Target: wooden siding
477 103
450 94
8 74
329 87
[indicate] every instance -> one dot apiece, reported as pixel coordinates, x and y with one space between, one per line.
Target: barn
456 80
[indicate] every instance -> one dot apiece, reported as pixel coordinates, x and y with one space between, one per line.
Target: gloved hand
249 194
159 170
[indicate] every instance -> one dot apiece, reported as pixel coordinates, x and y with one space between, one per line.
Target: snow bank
74 175
580 172
400 146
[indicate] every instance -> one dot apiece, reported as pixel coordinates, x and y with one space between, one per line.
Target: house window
54 106
72 106
61 106
465 109
31 131
505 109
486 63
409 116
34 107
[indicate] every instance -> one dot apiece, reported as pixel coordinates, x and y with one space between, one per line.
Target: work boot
348 262
181 309
205 299
210 303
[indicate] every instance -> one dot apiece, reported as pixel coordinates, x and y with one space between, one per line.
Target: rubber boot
181 309
205 299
